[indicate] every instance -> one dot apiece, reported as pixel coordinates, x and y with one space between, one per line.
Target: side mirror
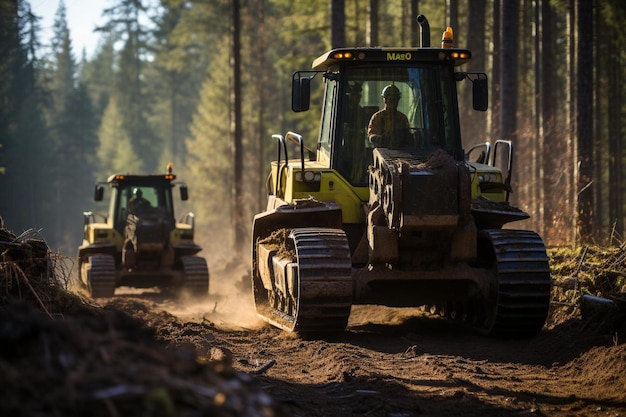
98 193
300 93
184 193
480 93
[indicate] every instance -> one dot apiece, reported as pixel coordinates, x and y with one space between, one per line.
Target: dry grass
30 273
595 270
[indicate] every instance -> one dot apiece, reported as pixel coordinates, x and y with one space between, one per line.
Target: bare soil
404 362
142 354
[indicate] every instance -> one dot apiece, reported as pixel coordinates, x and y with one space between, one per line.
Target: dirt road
402 362
141 354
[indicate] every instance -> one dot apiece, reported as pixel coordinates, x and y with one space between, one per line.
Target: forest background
160 88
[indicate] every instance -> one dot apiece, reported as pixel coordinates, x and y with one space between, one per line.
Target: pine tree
115 150
126 22
24 198
98 75
71 127
210 150
174 79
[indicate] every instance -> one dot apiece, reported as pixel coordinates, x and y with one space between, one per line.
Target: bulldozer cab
427 101
354 82
140 195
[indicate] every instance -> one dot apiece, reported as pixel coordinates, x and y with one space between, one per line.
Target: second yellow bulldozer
139 243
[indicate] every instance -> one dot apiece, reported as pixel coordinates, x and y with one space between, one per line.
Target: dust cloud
230 303
375 314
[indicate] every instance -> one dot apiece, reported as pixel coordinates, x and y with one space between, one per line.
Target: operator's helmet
391 92
137 192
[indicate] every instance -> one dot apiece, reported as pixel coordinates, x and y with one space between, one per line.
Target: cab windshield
156 198
418 114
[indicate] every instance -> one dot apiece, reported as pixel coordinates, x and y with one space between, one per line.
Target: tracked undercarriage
312 287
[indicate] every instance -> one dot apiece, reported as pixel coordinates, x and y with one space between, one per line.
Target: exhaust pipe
425 29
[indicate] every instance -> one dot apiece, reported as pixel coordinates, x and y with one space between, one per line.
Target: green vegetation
595 270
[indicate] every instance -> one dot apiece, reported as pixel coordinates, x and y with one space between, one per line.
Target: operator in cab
389 127
138 202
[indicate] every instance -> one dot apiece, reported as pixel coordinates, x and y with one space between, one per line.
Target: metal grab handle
295 138
509 162
282 145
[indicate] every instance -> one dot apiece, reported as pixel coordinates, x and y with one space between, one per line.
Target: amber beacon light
447 39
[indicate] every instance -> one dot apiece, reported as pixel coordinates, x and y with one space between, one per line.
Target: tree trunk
238 218
538 142
495 73
372 27
616 132
452 15
474 123
546 113
570 125
601 194
337 23
584 115
508 68
260 88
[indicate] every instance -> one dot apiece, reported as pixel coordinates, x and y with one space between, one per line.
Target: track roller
311 286
196 279
99 275
519 294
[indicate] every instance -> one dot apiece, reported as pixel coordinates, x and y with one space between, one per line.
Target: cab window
328 113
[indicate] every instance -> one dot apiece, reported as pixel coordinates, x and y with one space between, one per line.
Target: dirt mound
601 367
62 355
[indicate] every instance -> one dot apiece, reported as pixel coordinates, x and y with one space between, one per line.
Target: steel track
520 294
196 276
101 276
324 284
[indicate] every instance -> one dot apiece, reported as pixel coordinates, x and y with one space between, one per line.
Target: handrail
282 146
487 147
295 138
279 169
188 218
509 166
90 217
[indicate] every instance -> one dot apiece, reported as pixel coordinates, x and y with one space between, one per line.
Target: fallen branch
15 268
264 368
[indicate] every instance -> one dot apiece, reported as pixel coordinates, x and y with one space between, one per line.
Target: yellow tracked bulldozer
139 243
390 209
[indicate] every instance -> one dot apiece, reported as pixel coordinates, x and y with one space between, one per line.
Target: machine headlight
309 176
487 177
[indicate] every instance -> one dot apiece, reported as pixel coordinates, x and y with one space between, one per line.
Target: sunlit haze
82 17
